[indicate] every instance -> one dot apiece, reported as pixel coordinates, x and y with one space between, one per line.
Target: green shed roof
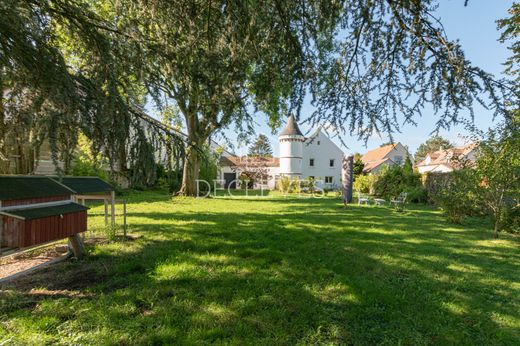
83 185
24 187
37 213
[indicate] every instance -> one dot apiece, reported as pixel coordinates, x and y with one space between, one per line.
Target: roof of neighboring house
255 161
291 128
378 154
14 187
82 185
445 156
41 212
371 165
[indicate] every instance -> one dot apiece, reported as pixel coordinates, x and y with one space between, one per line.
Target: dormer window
331 163
311 162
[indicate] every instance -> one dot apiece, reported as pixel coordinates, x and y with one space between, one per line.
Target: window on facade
311 177
311 162
331 162
328 180
398 159
318 142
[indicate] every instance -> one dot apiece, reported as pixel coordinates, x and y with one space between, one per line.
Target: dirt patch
60 277
21 262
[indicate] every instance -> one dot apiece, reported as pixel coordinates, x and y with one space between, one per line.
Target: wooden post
76 244
106 211
113 207
124 216
83 234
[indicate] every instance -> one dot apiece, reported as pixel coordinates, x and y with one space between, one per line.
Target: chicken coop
36 210
91 188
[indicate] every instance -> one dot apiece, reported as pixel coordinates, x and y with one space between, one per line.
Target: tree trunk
190 172
348 178
497 227
4 163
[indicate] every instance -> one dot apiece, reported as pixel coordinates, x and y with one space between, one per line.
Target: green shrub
245 181
365 183
284 185
392 181
287 185
308 185
510 220
295 185
457 196
416 194
168 180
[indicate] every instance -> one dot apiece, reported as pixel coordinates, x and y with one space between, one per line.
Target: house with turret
300 157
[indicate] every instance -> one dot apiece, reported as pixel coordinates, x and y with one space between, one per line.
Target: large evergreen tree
261 147
66 68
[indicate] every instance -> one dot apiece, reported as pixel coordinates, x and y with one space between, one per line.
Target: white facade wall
321 149
291 155
434 169
398 154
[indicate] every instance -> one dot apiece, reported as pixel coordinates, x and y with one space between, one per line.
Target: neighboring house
447 160
388 155
316 156
262 169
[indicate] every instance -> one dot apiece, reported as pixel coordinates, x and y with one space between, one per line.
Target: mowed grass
275 270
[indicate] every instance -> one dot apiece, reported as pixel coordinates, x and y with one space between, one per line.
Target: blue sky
475 27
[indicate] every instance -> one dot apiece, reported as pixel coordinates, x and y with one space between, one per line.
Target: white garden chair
379 201
362 199
399 201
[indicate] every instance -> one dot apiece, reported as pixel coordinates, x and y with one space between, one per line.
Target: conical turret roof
291 128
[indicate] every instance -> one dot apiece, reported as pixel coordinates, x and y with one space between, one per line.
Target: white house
300 157
387 155
447 160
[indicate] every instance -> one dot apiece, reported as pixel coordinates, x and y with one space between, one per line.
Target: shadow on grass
304 271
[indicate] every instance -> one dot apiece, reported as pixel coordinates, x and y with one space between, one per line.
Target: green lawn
276 271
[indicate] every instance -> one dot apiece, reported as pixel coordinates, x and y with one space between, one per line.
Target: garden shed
91 188
36 210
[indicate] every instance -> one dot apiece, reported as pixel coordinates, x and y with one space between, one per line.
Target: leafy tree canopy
510 32
432 144
498 169
367 65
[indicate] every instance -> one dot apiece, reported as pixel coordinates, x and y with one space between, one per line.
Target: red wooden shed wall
37 231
